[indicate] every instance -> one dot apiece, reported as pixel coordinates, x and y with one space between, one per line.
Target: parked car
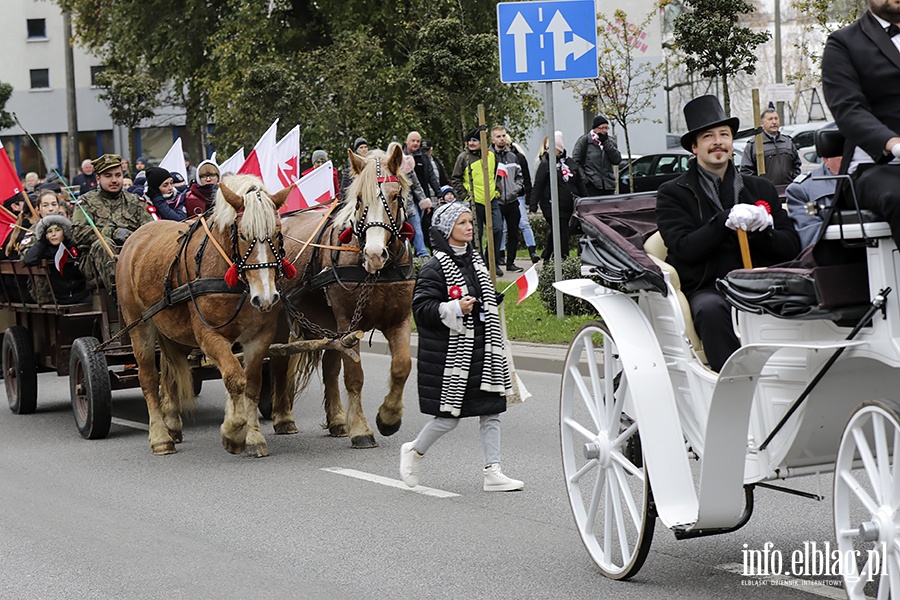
809 159
652 170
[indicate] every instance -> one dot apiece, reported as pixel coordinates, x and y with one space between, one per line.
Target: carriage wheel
19 370
266 391
90 389
608 487
866 521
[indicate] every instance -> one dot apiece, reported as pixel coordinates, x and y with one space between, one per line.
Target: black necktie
892 30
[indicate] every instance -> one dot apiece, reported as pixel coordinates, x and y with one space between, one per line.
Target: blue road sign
547 41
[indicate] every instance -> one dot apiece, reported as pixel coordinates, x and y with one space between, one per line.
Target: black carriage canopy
613 241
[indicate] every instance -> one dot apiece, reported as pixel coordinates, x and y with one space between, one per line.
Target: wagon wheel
90 389
266 391
866 521
19 370
606 481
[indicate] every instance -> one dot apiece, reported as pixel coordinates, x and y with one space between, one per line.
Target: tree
820 18
6 120
625 85
714 44
131 97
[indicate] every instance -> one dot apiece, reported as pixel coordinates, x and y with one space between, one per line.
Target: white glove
761 219
896 150
740 216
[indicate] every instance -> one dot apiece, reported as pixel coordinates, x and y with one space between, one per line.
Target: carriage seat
655 247
845 224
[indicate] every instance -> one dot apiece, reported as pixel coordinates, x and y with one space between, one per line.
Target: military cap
106 162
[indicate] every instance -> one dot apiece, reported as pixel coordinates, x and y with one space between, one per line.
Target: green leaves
6 119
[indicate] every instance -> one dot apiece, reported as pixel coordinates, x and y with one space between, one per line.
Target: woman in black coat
570 185
462 369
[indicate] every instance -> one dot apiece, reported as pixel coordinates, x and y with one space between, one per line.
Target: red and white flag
287 152
263 162
527 283
501 171
173 161
316 187
62 256
9 182
233 163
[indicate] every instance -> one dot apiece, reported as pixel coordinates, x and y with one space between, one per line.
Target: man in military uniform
808 197
116 214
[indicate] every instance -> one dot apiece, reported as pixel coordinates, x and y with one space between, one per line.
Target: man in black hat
861 81
596 153
699 213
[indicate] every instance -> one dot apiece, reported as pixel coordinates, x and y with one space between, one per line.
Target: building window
94 72
37 29
40 79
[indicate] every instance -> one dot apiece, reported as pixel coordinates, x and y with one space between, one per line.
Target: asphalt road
106 519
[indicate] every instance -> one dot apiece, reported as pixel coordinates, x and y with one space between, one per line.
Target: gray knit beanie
445 216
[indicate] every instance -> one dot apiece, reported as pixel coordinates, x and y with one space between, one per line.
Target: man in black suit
861 81
699 213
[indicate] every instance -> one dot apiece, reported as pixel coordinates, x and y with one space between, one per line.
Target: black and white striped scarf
495 376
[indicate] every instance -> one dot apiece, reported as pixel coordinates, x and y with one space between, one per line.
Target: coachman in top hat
699 214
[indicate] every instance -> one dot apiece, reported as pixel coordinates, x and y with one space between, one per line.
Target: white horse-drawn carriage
801 396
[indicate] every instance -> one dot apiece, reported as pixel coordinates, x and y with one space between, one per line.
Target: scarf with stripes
495 377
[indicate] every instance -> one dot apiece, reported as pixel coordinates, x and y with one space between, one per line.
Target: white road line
394 483
801 585
132 424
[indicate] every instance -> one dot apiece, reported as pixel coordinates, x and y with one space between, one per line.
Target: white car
809 159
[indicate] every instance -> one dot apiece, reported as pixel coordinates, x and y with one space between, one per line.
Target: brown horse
246 222
370 288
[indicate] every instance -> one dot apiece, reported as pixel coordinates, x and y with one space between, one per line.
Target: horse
368 286
245 220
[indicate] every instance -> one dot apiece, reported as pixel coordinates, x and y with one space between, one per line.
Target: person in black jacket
54 243
698 215
463 370
570 185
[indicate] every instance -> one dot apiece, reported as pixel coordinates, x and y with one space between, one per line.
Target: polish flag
233 163
527 283
173 161
7 219
287 152
316 187
9 182
62 256
262 161
501 171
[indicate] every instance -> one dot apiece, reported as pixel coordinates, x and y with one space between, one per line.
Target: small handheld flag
527 284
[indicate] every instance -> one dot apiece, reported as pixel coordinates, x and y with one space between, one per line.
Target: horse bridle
393 227
240 262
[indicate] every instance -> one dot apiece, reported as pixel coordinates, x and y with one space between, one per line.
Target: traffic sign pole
554 197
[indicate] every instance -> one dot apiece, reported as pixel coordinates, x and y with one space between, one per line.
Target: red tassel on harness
407 231
345 236
231 276
289 269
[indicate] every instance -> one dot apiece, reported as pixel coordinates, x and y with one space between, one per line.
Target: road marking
132 424
394 483
801 585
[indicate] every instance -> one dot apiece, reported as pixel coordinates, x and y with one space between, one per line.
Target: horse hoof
163 449
288 428
260 451
337 430
387 429
233 447
364 441
176 436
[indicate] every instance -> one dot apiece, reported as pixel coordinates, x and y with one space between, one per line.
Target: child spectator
54 242
161 193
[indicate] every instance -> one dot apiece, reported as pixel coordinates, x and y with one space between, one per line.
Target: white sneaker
410 461
496 481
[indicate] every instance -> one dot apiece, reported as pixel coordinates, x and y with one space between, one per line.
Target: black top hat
704 113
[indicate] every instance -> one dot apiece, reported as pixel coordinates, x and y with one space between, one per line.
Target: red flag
316 187
7 221
262 161
61 257
527 283
287 152
9 182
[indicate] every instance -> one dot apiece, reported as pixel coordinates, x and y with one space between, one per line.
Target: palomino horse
246 222
346 290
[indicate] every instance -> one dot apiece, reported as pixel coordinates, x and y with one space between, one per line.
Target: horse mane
259 211
365 187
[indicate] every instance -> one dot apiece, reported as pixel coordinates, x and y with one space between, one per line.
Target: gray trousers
438 426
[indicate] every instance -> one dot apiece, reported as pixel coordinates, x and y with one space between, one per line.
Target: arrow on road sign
559 27
519 28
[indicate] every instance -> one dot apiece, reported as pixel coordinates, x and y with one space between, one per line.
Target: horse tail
302 366
176 380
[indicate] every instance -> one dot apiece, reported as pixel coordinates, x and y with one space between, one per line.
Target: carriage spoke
599 489
577 427
609 363
607 526
583 470
628 496
589 400
863 496
882 459
623 437
627 465
597 394
618 495
865 453
894 574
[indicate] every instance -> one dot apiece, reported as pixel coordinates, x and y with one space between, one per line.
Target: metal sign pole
554 198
